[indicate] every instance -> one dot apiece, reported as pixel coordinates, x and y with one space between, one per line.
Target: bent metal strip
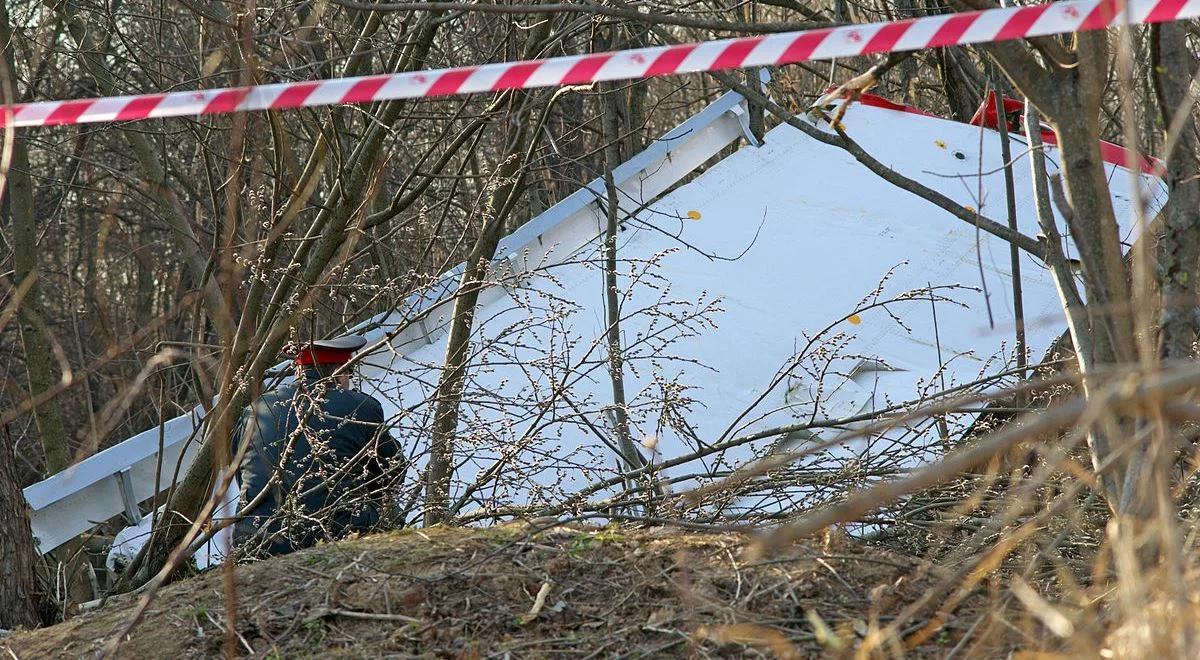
913 34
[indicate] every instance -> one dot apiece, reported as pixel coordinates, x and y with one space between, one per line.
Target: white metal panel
69 503
819 233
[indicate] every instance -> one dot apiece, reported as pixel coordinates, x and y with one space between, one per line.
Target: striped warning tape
896 36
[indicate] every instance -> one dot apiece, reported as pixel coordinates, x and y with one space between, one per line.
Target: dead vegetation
566 591
1070 530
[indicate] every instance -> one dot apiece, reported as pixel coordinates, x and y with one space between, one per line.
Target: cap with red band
330 351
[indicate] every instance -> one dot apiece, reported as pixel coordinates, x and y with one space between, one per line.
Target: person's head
334 371
327 358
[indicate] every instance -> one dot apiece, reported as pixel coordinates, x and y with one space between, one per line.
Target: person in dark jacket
319 462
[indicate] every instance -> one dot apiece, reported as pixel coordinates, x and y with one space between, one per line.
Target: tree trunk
478 263
1179 246
1094 229
38 357
962 95
18 559
1068 294
1070 95
612 298
462 320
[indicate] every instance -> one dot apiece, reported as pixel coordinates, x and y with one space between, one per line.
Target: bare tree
1174 66
18 561
612 298
509 181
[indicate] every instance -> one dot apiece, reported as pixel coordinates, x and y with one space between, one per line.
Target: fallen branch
539 602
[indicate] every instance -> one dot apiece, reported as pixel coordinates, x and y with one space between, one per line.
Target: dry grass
472 593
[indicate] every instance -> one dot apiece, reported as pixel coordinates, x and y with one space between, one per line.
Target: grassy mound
516 591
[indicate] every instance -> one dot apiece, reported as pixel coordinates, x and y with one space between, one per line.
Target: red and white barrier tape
783 48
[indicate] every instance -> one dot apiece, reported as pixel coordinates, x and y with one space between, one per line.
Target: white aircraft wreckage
784 285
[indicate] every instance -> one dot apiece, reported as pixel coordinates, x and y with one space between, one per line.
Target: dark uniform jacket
318 466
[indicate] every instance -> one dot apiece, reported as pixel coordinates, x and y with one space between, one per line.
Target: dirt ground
516 591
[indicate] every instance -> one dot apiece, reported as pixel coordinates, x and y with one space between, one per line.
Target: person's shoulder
359 401
274 398
356 395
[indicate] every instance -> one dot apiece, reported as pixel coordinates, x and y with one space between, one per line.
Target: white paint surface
819 233
791 238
